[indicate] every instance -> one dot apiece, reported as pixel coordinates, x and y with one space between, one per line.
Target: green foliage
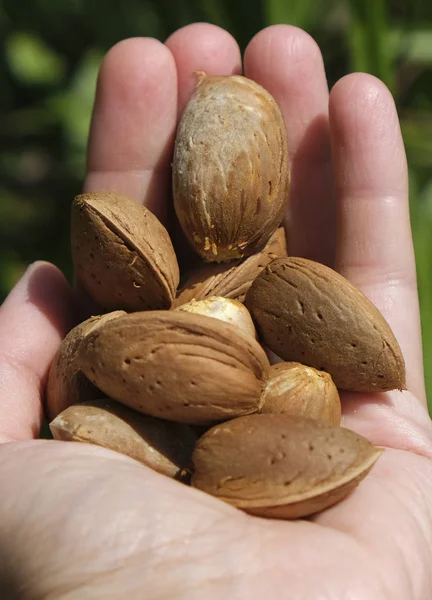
31 61
50 54
368 39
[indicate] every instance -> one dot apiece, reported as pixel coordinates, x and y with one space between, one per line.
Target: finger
375 249
34 318
288 63
202 47
134 122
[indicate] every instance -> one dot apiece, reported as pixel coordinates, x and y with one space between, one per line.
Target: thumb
34 318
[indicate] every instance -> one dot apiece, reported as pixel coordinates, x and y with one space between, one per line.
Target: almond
280 466
306 312
177 366
122 254
230 168
301 391
163 446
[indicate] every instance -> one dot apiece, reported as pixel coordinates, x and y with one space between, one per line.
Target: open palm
77 521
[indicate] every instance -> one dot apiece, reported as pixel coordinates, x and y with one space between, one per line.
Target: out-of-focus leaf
32 61
425 202
215 12
26 122
247 17
368 39
74 107
12 268
421 220
417 135
16 211
415 45
302 13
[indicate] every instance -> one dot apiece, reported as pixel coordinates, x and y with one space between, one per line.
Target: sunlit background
50 54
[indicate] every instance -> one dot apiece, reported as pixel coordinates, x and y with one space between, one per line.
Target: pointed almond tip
79 200
401 386
377 451
56 427
200 76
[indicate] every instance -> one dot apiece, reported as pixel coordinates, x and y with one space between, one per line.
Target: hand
78 521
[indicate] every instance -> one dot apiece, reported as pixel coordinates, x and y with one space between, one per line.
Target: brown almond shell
280 466
230 280
230 168
122 254
66 383
163 446
306 312
177 366
301 391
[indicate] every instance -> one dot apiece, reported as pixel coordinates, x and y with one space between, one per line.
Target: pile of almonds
177 375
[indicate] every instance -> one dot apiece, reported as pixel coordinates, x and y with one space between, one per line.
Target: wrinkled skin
79 522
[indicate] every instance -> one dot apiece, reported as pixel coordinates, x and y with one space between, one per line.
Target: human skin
81 522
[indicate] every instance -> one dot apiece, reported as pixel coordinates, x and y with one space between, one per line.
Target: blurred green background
50 54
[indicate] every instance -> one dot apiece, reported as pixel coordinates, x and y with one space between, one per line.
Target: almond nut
177 366
280 466
308 313
163 446
301 391
122 254
230 168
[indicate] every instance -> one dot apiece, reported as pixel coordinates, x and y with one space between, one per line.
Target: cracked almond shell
306 312
177 366
163 446
280 466
301 391
122 254
231 280
66 383
224 309
230 168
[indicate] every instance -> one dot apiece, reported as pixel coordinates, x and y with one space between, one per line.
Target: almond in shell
122 254
301 391
306 312
230 168
163 446
280 466
178 366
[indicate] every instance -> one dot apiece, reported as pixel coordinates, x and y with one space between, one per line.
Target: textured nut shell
301 391
178 366
307 312
231 280
163 446
66 383
230 168
224 309
122 254
278 465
